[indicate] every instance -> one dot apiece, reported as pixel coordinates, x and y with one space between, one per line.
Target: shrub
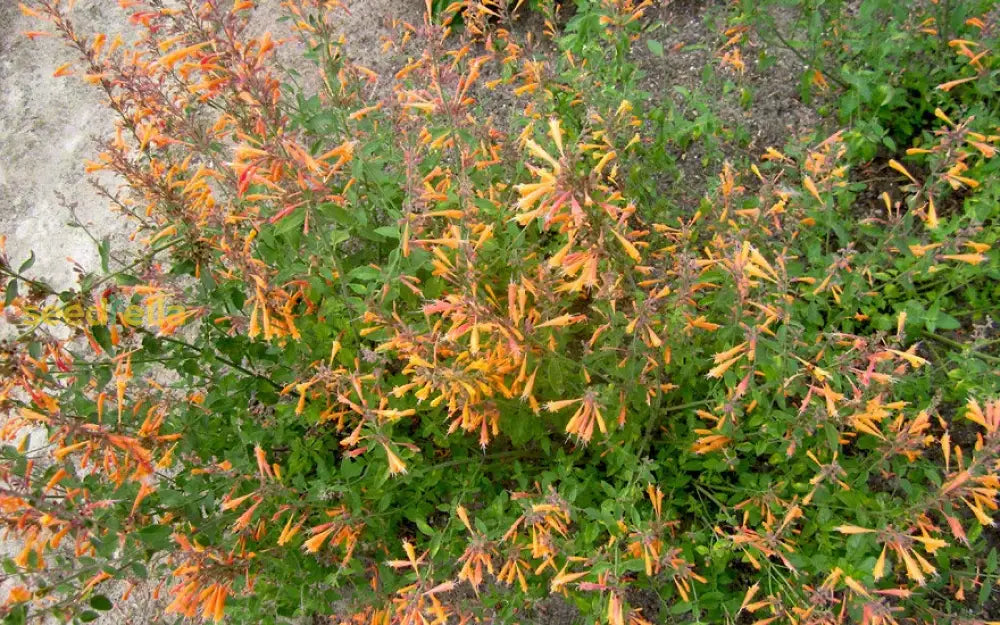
431 365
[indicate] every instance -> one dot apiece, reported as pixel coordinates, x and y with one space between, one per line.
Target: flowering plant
438 366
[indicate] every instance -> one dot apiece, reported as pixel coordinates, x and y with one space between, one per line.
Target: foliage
889 64
436 365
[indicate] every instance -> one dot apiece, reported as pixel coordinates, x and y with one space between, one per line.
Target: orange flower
709 442
971 259
18 594
989 419
396 466
313 544
171 59
562 578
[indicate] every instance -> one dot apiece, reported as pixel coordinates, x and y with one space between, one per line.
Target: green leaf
655 47
106 548
389 232
104 249
832 436
139 570
125 279
11 292
102 335
555 376
89 616
985 592
424 527
338 236
100 602
350 469
26 265
156 537
947 322
18 614
364 274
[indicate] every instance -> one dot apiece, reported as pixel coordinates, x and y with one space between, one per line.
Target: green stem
215 355
957 345
498 456
35 283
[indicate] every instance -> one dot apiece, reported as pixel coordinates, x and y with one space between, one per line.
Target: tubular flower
587 415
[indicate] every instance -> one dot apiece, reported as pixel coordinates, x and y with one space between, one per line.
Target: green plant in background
883 67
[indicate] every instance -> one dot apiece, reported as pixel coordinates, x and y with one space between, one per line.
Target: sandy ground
47 129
